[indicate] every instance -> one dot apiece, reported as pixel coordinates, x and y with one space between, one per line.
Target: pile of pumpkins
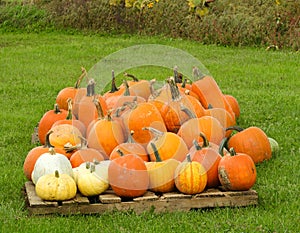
136 137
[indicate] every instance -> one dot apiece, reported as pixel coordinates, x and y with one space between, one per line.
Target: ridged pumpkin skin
232 101
56 187
190 177
237 172
128 176
252 141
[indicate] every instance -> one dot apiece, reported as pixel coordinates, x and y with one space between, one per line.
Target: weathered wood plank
167 202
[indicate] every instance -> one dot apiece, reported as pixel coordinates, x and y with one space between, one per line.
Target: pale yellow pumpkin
94 182
56 187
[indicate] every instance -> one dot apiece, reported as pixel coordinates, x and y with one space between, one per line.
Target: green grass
34 67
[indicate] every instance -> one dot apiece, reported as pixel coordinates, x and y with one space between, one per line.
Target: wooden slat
168 202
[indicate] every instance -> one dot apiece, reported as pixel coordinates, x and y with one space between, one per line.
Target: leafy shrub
227 22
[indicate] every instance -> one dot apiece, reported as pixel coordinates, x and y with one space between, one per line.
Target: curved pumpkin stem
56 109
70 115
155 151
156 132
236 128
187 111
135 79
205 140
83 74
47 140
223 145
99 108
174 89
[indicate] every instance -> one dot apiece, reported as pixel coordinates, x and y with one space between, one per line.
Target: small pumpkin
190 177
56 187
95 181
128 176
236 171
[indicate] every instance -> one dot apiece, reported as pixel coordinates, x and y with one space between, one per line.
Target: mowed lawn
35 67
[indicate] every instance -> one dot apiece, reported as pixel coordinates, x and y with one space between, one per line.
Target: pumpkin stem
155 151
197 74
135 79
92 168
236 128
156 132
88 165
197 145
120 152
126 93
187 111
174 89
130 137
47 140
83 73
232 151
177 76
113 83
69 116
91 88
56 109
56 173
210 106
95 161
119 110
68 147
188 158
154 93
223 145
99 108
204 138
51 151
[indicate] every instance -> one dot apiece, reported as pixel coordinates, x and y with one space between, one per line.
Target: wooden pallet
167 202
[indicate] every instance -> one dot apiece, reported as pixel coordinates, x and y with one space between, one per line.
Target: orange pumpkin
234 104
128 176
210 159
129 147
168 144
237 171
85 154
48 120
208 92
105 134
251 141
142 115
208 125
190 177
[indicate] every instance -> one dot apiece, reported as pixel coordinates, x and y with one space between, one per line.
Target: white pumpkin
48 163
96 181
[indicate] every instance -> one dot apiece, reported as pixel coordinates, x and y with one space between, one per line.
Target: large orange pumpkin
252 141
128 176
